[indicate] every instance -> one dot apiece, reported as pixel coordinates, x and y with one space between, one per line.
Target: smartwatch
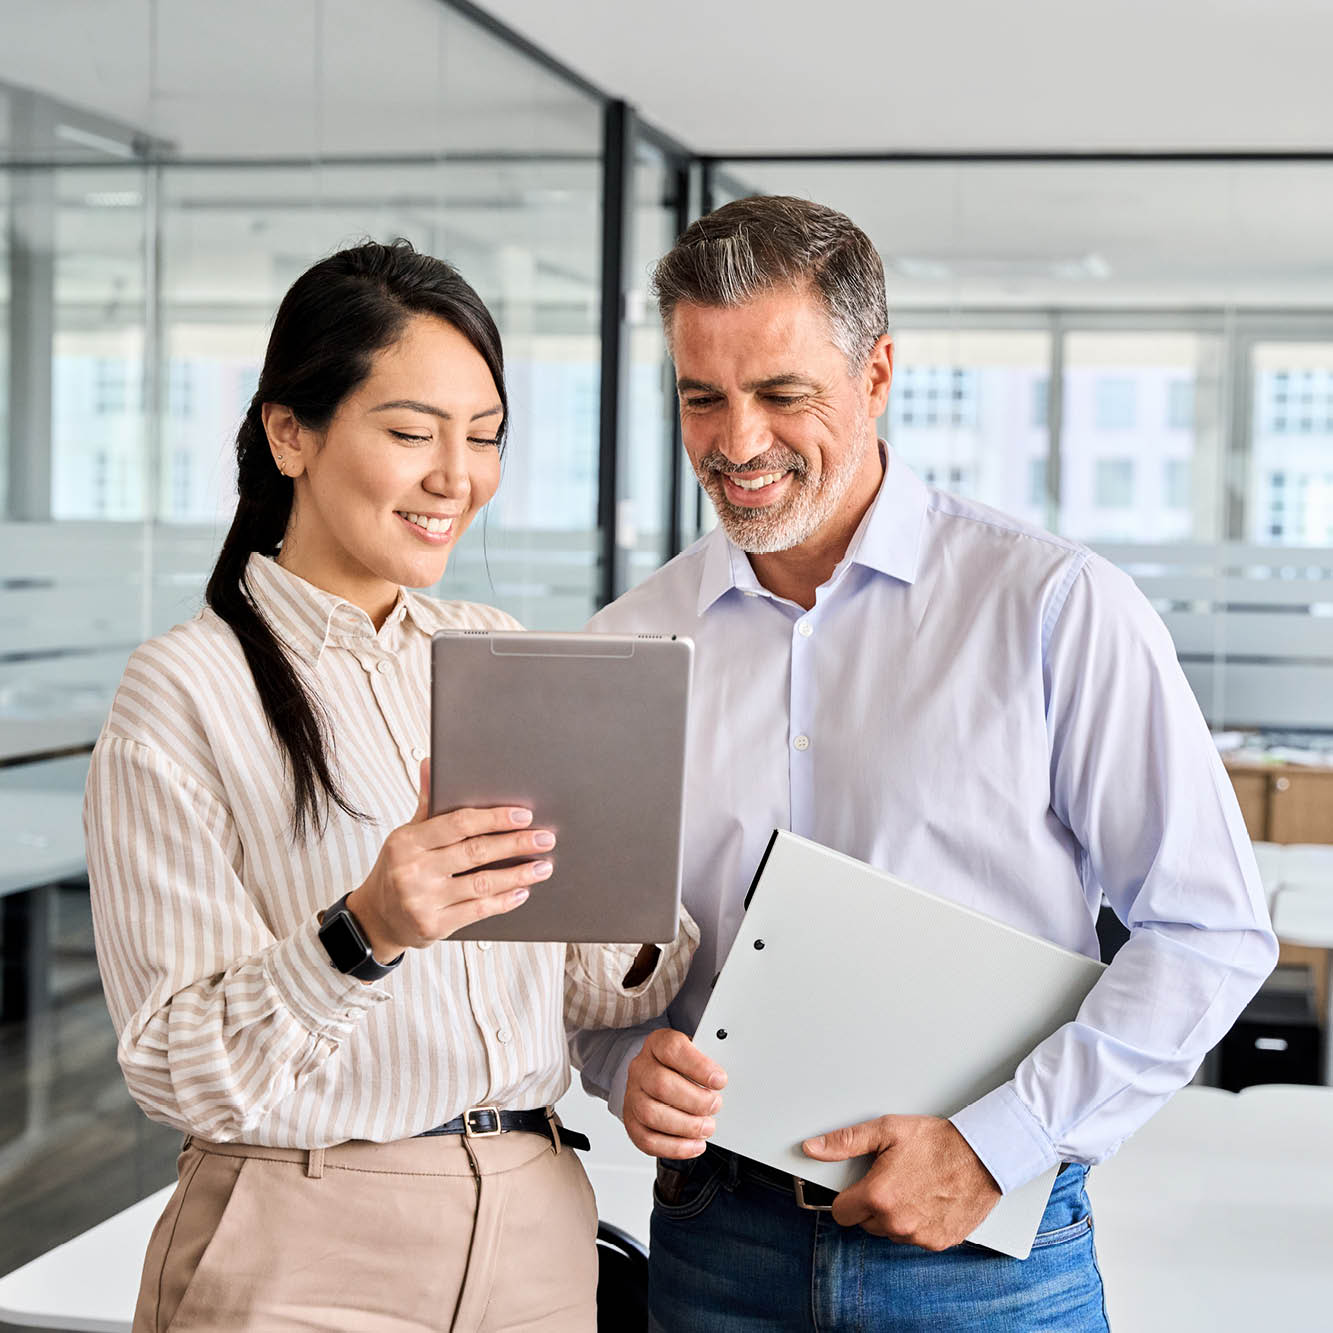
347 947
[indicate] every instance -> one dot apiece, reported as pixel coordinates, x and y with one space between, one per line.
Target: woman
272 914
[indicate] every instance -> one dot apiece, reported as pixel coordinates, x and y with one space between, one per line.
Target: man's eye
410 439
784 400
700 402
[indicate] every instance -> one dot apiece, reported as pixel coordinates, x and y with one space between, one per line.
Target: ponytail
294 716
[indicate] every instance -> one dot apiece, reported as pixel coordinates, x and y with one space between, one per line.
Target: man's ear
288 440
879 375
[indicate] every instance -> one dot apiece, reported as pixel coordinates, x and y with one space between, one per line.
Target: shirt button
504 1035
418 753
802 742
483 945
384 666
804 628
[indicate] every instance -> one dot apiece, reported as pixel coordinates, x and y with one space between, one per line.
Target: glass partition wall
1138 355
147 241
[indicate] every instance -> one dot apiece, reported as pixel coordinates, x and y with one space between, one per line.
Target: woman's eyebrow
412 405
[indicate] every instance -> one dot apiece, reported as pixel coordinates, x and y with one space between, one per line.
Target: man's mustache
773 461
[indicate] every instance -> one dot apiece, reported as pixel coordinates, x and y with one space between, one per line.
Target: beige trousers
483 1235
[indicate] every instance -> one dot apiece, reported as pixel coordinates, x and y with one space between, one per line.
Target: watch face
343 942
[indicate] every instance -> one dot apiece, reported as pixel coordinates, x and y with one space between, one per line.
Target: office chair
622 1281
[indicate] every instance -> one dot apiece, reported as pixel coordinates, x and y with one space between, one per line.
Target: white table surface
1303 914
1218 1215
41 837
91 1283
35 735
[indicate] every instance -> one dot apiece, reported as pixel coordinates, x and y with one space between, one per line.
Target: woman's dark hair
334 319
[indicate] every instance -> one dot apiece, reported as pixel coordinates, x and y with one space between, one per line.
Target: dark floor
74 1149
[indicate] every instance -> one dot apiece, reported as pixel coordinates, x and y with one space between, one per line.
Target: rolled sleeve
595 992
217 1021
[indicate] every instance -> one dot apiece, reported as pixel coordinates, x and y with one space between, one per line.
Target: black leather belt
484 1122
813 1198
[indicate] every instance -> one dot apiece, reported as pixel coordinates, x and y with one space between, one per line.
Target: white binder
849 994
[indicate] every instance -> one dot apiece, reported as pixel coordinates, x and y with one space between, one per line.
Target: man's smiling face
780 432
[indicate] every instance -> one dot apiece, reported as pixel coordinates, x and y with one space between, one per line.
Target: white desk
1303 914
1218 1215
1284 865
92 1282
41 838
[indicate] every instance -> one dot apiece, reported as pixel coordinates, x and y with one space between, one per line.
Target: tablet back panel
869 997
588 731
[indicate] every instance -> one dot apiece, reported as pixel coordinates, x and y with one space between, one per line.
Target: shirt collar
888 539
308 619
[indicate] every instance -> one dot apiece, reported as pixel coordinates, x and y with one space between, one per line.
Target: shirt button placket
799 714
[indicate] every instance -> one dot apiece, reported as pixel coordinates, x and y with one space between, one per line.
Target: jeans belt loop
314 1164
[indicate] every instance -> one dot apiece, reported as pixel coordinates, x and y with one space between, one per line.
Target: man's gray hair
756 245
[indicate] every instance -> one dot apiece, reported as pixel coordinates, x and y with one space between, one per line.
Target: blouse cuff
325 1001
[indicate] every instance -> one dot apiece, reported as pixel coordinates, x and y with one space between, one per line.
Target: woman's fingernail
521 816
520 895
543 839
540 869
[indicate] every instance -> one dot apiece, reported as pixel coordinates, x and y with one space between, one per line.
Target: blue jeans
736 1255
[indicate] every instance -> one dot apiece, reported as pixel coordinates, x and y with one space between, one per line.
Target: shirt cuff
325 1001
1007 1137
615 1097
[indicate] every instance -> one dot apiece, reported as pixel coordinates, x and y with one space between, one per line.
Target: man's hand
671 1096
927 1187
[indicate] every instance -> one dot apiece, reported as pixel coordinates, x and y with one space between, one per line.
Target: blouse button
384 666
418 753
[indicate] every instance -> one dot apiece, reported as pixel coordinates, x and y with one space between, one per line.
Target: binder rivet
758 944
721 1034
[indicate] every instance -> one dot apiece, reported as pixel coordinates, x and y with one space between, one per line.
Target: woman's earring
281 469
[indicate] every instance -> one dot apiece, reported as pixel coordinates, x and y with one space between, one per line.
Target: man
984 710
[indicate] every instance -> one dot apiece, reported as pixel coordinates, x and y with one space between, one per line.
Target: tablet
588 732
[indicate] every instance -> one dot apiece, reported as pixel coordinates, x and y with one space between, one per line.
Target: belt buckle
798 1188
472 1131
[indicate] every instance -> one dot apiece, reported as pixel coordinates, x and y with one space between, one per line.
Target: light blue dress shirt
996 715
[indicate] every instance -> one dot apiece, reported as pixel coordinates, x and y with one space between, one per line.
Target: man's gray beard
761 531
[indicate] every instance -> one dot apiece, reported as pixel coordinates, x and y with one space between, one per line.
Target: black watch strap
347 947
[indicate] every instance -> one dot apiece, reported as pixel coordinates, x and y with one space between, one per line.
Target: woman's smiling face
386 490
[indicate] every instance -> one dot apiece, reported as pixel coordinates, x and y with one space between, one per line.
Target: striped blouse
232 1023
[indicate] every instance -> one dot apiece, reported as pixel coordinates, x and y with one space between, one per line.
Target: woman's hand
425 883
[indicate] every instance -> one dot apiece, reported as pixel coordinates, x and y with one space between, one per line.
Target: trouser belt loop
555 1129
314 1164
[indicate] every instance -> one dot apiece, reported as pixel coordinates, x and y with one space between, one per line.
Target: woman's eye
411 439
475 439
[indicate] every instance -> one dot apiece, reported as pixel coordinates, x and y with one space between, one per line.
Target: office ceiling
816 75
302 79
